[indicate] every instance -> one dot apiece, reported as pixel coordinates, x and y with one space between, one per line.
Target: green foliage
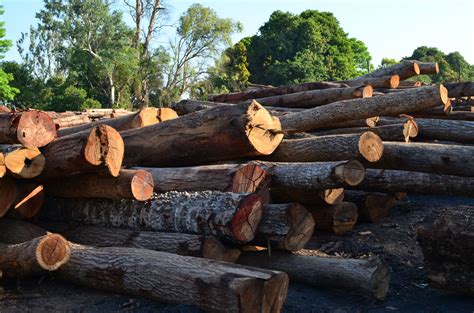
91 104
387 62
7 92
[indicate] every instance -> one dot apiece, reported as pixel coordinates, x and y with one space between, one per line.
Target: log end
3 168
164 114
345 216
372 121
263 130
302 228
367 91
105 147
416 68
352 172
275 292
410 129
248 179
376 208
370 146
380 280
35 128
33 198
26 162
213 249
145 117
443 92
52 252
142 185
245 222
394 81
332 196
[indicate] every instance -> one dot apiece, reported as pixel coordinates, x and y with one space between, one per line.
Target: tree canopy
7 92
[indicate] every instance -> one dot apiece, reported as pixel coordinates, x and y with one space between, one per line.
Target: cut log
427 157
3 167
371 206
391 81
447 130
458 90
16 231
364 276
130 184
310 197
447 241
456 115
275 91
428 68
314 98
23 161
46 253
29 200
222 177
101 149
164 114
285 227
416 182
409 83
8 194
221 133
70 120
337 218
366 146
30 128
232 216
393 104
404 70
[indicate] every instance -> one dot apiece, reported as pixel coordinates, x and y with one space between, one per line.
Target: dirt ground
394 239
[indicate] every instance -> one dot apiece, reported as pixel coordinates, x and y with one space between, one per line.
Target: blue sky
389 28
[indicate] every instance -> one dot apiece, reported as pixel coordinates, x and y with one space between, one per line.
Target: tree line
82 54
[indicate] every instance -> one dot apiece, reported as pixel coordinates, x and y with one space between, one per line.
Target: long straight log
428 68
447 130
391 81
310 197
393 104
23 161
130 184
69 120
458 90
371 206
101 149
337 218
404 70
221 133
455 115
364 276
366 146
231 216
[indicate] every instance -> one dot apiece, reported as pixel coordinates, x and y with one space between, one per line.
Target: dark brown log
130 184
101 149
16 231
230 216
8 194
371 206
314 98
30 128
447 241
366 146
364 276
467 116
393 104
222 177
409 83
221 133
391 81
23 161
275 91
447 130
46 253
29 200
416 182
458 90
285 227
428 68
427 157
310 197
404 70
337 218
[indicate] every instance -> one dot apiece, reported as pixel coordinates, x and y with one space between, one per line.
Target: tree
7 92
387 62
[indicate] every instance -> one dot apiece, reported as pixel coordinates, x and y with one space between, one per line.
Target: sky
389 28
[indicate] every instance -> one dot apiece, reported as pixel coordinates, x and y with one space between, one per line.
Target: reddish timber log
458 90
314 98
8 194
364 276
23 161
3 167
455 115
222 177
404 70
366 146
285 227
101 149
428 68
371 206
393 104
130 184
221 133
447 241
391 81
416 182
30 128
233 216
275 91
337 218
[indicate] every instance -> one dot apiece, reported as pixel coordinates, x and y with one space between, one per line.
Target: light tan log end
3 168
213 249
245 222
394 81
52 252
367 91
410 129
302 228
105 147
444 96
275 293
164 114
142 185
35 128
416 68
8 194
372 121
371 146
263 131
33 198
145 117
249 178
26 162
352 172
332 196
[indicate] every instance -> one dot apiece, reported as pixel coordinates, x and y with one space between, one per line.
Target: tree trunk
416 182
8 194
309 197
447 130
23 162
371 206
285 227
447 241
230 216
100 149
391 81
16 231
67 120
112 90
30 128
223 177
222 133
366 146
364 276
404 70
274 91
337 218
130 184
393 104
458 90
314 98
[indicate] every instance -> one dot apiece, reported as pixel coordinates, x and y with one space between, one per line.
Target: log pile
264 169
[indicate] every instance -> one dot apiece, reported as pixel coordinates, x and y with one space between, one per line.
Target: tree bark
428 68
467 116
314 98
391 81
458 90
69 120
366 146
8 194
364 276
409 83
223 177
394 104
229 216
30 128
274 91
16 231
222 133
23 161
101 149
371 206
337 218
447 130
309 197
404 70
285 227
